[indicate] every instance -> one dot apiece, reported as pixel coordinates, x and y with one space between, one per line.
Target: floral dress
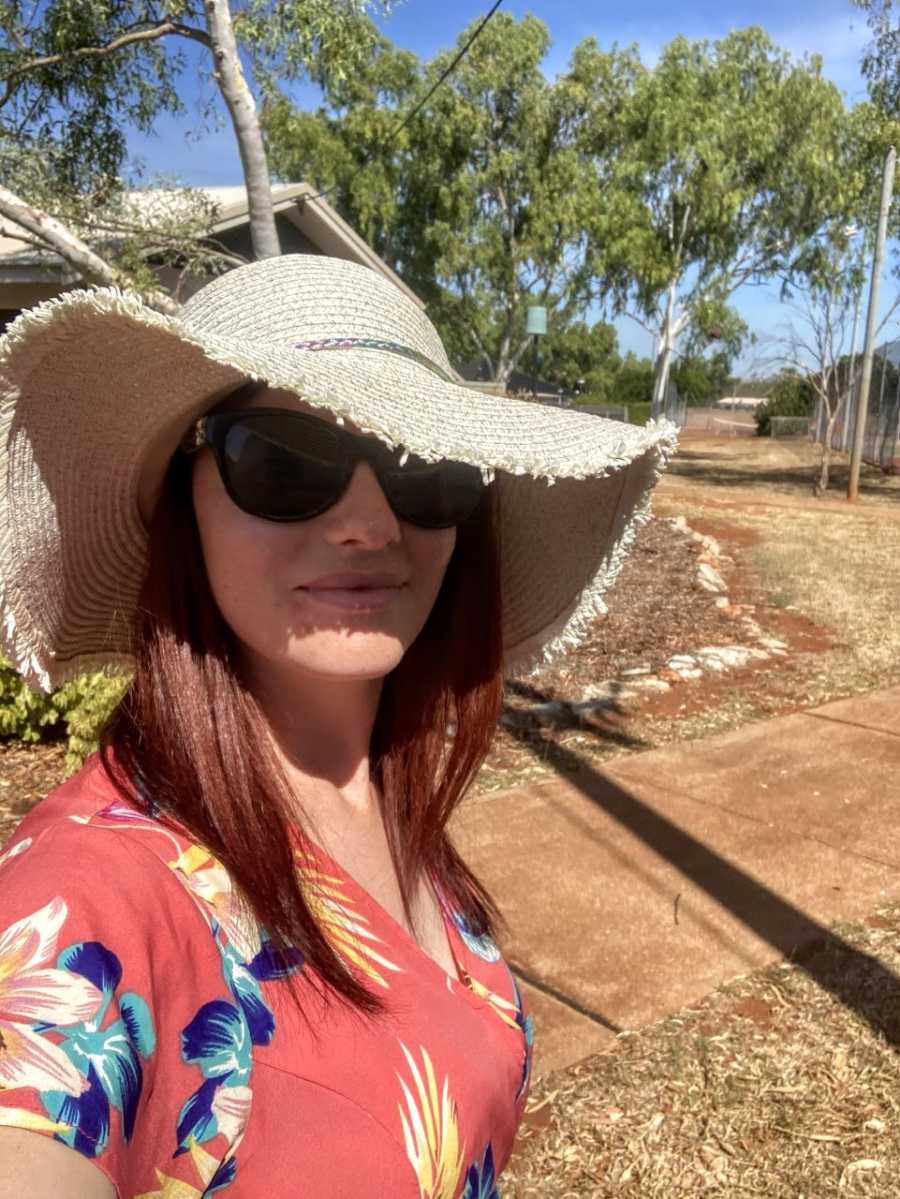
145 1023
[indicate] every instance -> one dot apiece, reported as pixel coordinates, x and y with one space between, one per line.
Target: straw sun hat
96 391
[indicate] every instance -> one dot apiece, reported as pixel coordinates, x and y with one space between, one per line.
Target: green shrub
86 703
27 715
77 711
791 396
638 414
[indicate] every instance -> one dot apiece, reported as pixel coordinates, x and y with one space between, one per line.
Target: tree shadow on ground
798 480
606 723
856 978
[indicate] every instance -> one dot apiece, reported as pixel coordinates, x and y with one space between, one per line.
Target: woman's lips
358 599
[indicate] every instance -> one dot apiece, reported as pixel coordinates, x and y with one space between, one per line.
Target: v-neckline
454 941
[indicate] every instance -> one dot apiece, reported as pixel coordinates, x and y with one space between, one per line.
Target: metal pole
887 191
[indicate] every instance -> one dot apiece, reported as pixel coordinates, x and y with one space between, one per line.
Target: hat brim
97 390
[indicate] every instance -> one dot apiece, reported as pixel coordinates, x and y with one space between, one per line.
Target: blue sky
836 31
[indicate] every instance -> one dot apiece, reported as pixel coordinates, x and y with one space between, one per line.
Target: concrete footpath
633 890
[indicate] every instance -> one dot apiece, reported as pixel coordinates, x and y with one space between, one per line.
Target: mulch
657 608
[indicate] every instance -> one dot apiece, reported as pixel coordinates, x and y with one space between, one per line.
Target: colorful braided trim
375 343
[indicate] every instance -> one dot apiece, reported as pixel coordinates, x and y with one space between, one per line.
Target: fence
720 422
790 426
881 446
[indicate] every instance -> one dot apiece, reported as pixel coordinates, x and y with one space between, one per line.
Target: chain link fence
881 446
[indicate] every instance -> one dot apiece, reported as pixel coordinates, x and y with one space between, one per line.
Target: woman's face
341 596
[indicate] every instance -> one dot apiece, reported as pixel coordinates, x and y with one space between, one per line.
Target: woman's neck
321 729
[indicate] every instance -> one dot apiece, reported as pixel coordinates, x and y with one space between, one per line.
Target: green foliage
582 358
638 414
792 395
24 714
78 710
702 381
481 202
634 382
881 59
729 157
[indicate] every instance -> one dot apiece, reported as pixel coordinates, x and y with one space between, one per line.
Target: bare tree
816 345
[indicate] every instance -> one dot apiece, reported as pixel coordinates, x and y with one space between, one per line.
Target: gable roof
299 203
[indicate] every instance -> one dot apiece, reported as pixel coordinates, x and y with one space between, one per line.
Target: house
307 224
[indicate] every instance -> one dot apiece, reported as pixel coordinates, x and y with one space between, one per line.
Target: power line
417 107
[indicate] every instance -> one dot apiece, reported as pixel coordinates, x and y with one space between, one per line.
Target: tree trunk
667 336
242 108
88 265
821 486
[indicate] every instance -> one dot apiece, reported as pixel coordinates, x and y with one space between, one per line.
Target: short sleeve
105 962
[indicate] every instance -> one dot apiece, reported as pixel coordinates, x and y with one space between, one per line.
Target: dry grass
771 1087
839 564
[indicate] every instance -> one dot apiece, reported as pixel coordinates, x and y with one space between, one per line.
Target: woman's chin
370 656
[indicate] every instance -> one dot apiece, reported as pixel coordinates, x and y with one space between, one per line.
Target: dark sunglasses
284 465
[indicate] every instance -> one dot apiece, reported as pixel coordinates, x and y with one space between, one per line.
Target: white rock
635 670
597 693
773 643
722 601
710 578
688 672
652 684
680 660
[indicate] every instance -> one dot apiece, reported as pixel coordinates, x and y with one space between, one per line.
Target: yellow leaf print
347 930
173 1188
502 1007
18 1117
431 1131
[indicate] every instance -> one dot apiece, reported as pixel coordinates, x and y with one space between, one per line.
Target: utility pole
862 404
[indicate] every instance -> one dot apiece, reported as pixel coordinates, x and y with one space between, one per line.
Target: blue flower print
243 980
481 945
220 1037
108 1058
481 1178
217 1040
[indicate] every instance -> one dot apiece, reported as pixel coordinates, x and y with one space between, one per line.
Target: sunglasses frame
212 430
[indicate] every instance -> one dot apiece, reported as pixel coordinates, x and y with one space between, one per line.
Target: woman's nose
362 515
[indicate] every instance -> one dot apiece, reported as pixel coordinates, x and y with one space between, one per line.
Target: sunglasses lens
283 469
432 495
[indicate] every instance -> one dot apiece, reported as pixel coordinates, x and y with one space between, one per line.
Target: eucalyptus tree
725 164
881 58
481 200
75 76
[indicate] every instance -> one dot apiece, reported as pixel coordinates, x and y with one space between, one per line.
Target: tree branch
54 236
165 29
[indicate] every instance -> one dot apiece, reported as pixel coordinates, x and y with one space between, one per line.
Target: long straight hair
189 743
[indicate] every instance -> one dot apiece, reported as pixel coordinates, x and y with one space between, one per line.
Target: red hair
186 740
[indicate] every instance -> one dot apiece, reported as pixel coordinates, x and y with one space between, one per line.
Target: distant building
741 403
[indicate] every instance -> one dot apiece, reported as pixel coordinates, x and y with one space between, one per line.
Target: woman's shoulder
89 799
85 846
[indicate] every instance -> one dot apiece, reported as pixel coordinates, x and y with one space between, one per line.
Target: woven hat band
375 343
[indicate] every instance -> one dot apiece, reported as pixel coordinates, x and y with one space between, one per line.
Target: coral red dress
144 1023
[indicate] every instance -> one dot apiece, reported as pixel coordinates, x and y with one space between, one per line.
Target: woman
240 952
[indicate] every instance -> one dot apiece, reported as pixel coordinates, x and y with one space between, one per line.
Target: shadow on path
854 977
